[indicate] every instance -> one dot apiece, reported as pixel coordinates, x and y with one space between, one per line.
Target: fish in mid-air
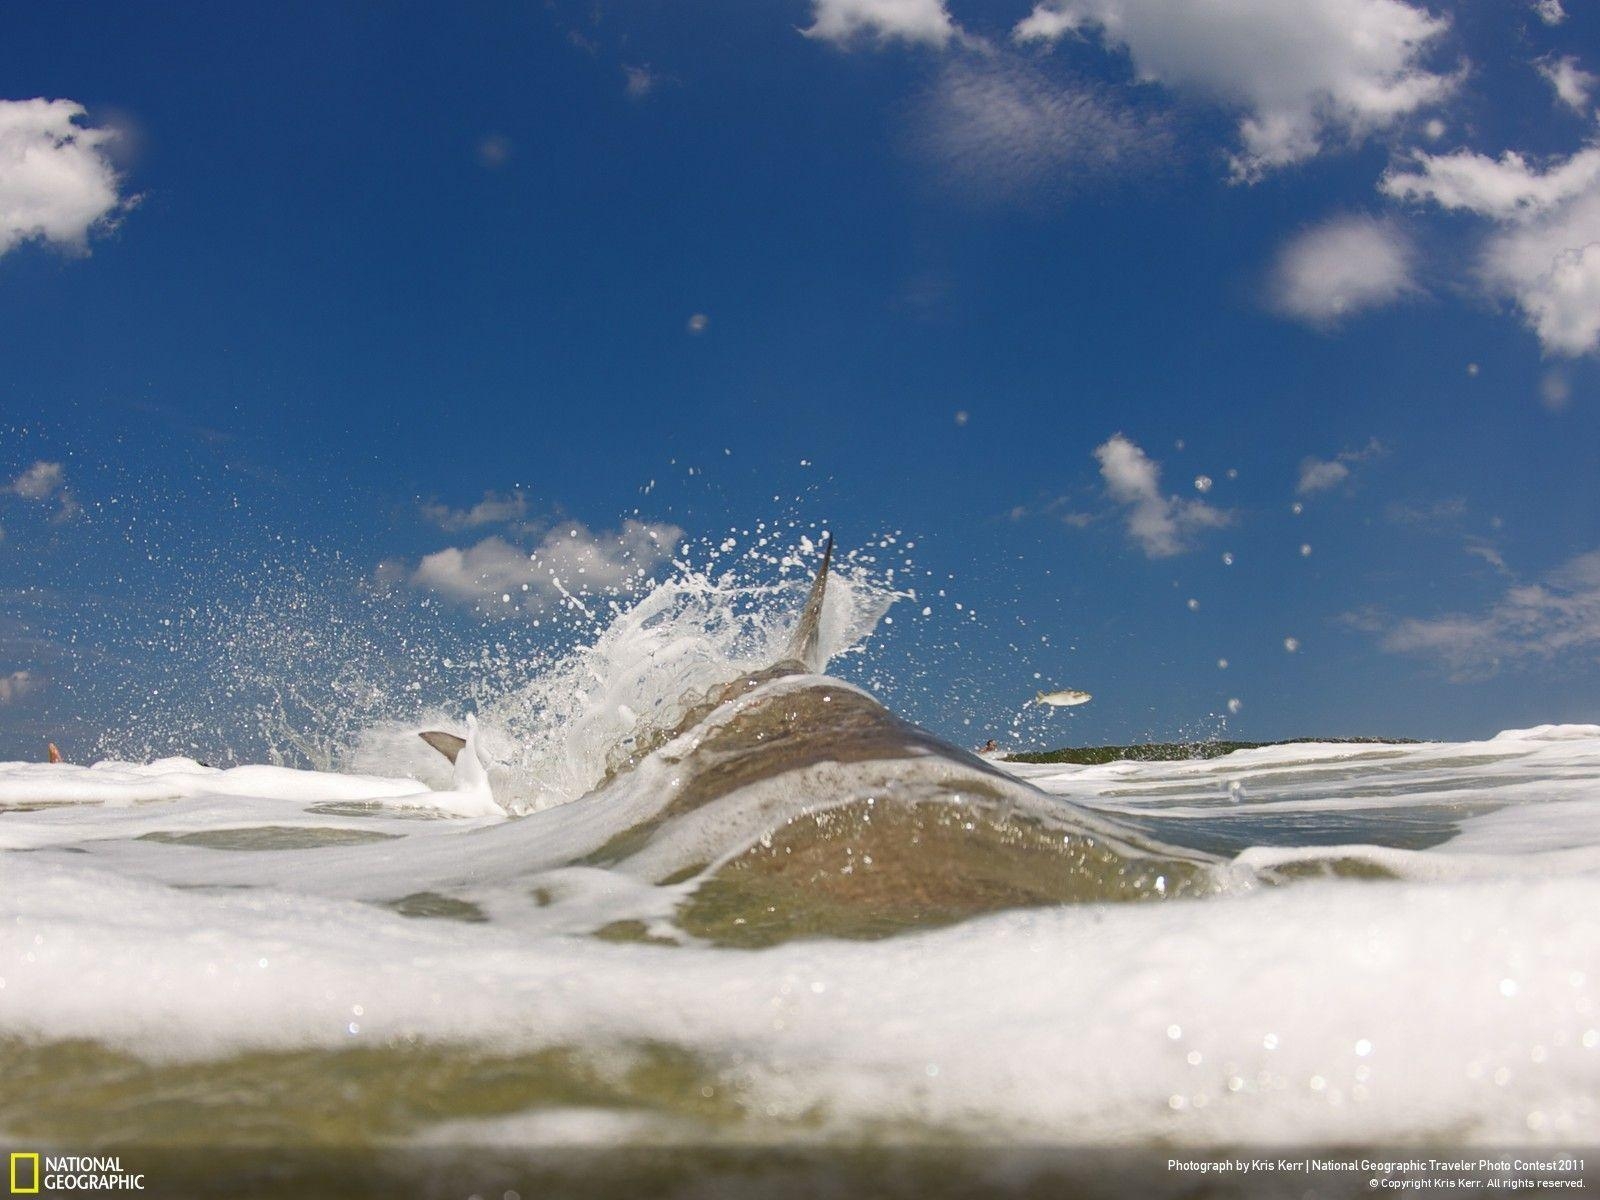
1065 698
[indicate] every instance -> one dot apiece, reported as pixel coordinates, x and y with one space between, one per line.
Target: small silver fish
1066 698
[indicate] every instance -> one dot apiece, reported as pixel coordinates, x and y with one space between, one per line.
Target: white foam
1550 733
1461 1000
116 783
1412 1010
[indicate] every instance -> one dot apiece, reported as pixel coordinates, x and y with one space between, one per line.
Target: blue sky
315 296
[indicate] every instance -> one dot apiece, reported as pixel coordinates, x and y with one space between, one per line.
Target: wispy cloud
1553 618
1055 508
1573 85
1161 525
639 82
1448 517
1479 547
43 483
1432 514
495 508
998 125
19 685
494 150
1322 474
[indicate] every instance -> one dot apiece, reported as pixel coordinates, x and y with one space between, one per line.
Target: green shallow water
270 837
87 1094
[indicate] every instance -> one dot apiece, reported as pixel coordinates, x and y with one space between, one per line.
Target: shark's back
797 804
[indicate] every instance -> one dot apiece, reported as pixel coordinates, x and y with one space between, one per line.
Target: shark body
786 801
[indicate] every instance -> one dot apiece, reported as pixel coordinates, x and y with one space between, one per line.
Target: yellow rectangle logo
17 1187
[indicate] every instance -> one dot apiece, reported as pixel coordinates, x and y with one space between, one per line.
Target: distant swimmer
54 754
990 747
1066 698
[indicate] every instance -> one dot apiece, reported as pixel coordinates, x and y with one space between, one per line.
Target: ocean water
581 958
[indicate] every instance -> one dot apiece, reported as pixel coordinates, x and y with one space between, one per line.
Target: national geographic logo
33 1173
24 1174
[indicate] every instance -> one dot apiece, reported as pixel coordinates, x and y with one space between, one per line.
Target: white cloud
1545 253
1301 70
1550 11
1342 266
1573 85
475 572
1505 189
915 21
494 150
1058 508
56 183
38 482
1320 474
1555 390
41 483
569 559
1488 551
1557 617
995 126
1160 524
1430 514
1562 303
639 82
18 686
495 508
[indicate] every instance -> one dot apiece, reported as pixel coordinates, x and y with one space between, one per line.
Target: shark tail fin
804 646
1038 698
447 744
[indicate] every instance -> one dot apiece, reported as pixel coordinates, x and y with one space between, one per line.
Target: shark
785 802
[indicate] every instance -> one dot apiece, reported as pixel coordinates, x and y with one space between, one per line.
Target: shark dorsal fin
447 744
804 645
